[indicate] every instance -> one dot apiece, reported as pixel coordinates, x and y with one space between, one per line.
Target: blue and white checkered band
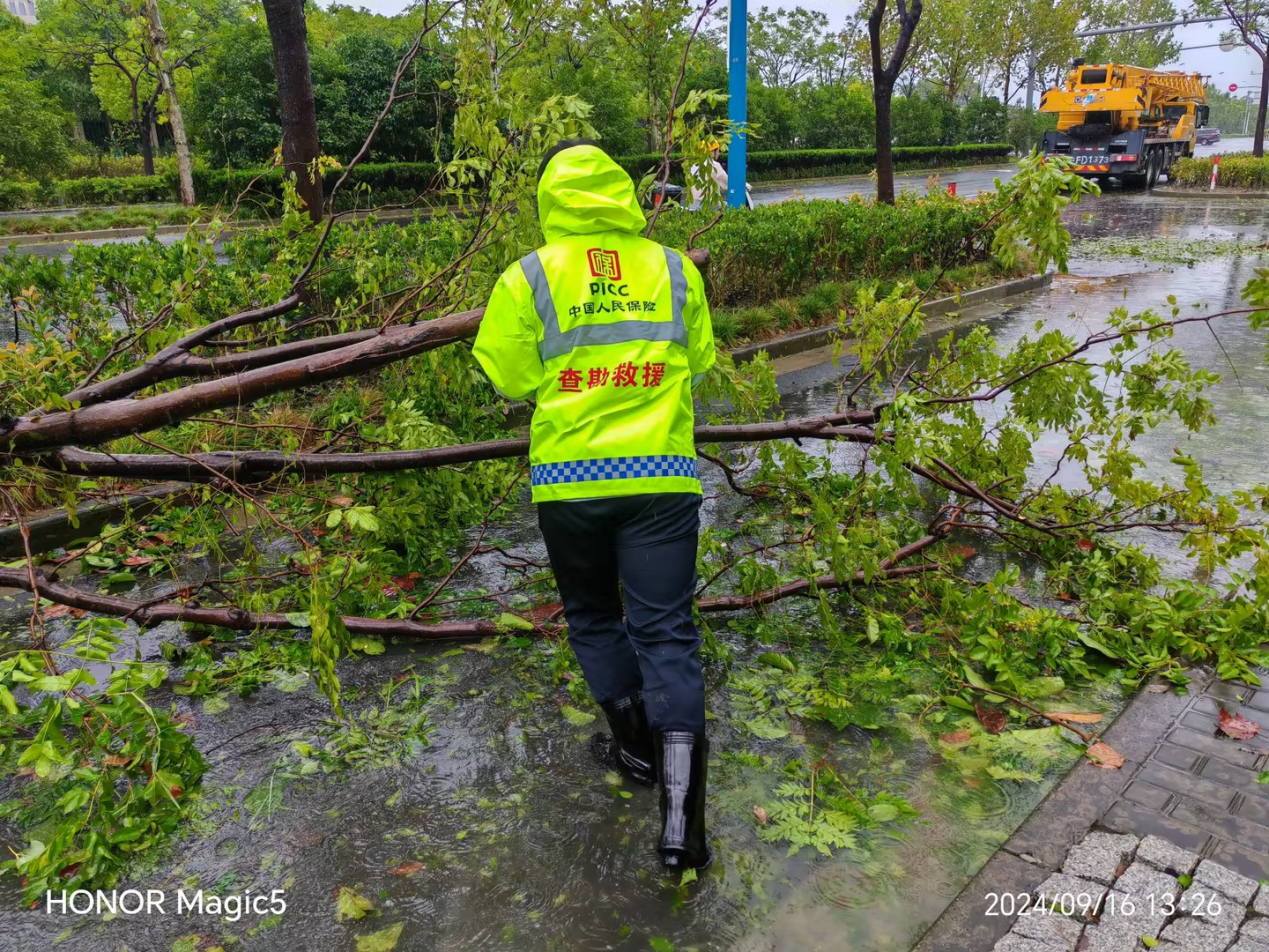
617 467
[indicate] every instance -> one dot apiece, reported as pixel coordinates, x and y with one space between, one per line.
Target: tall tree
103 35
954 40
887 64
300 145
163 67
654 31
1147 48
785 46
1251 24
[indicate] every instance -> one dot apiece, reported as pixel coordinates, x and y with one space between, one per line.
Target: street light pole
737 100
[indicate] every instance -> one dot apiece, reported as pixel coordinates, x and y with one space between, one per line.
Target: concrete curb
1202 192
865 176
1039 845
53 528
809 339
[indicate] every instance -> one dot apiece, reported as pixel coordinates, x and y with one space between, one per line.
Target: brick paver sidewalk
1200 789
1116 893
1178 848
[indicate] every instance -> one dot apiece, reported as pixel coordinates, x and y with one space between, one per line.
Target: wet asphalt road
969 182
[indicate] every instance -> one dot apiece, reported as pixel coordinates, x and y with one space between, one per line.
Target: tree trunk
882 96
1258 143
300 145
147 144
883 82
159 44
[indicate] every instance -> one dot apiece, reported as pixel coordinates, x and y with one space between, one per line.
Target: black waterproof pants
640 550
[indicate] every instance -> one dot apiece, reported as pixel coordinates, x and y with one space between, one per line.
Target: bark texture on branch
253 465
149 614
105 415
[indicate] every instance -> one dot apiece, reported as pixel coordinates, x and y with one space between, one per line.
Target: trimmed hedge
773 251
812 163
405 181
1239 170
397 181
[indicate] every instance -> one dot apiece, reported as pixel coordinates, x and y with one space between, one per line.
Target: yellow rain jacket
609 331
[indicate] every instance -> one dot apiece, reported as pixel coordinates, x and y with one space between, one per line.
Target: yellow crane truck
1125 121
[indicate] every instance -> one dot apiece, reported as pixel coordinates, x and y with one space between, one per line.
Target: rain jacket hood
583 191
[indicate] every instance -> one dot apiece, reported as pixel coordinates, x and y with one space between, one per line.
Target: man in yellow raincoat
609 333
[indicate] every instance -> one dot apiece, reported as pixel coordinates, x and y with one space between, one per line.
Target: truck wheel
1152 170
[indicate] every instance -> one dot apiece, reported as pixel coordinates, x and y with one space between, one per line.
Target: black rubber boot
682 759
629 749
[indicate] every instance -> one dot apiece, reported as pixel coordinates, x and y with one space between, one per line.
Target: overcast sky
1240 66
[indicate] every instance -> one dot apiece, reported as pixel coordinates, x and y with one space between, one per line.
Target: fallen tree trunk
103 414
148 614
255 465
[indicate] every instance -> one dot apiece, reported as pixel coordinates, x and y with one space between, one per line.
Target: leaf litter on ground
1237 726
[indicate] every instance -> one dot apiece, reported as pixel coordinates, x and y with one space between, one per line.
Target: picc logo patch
604 264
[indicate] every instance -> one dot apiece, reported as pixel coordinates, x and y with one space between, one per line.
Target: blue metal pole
737 105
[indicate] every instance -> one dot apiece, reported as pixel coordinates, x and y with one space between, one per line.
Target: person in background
719 173
610 332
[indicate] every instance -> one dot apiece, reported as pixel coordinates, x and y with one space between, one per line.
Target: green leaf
1263 778
1043 687
368 645
658 944
120 578
298 619
767 727
974 678
50 682
774 660
689 876
385 940
508 621
335 518
1185 880
351 905
575 717
7 701
883 812
292 681
1149 942
1092 642
216 704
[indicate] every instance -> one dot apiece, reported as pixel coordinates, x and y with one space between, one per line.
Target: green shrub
15 195
725 327
753 321
820 300
810 163
781 250
124 190
785 313
397 182
1239 170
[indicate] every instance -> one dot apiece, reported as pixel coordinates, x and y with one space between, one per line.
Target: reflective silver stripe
678 288
696 380
557 343
618 332
531 265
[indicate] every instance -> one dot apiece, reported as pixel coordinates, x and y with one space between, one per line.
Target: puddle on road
526 845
